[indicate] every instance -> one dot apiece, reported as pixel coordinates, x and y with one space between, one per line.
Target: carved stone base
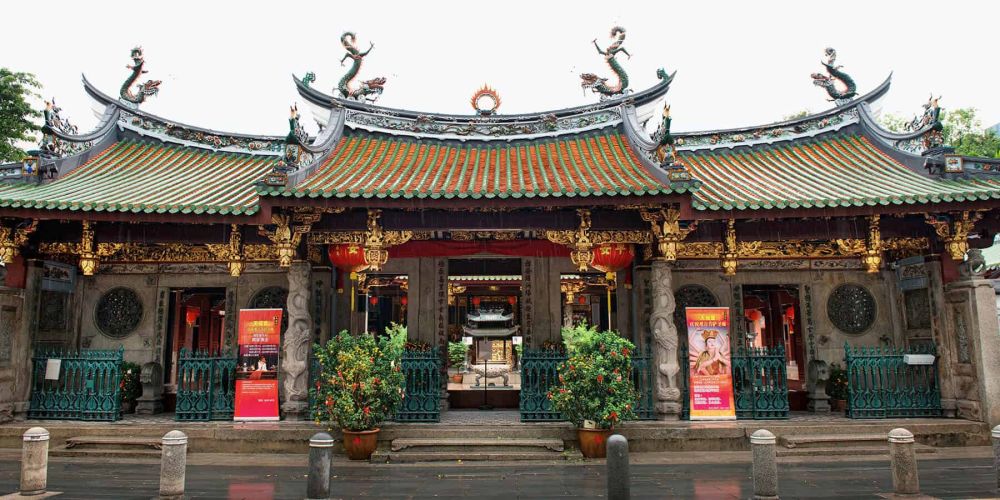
819 405
295 410
668 411
149 406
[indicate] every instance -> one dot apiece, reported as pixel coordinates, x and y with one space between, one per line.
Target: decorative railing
86 385
206 384
540 374
760 382
881 384
422 396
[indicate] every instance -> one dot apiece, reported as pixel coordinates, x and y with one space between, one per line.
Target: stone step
113 442
434 431
824 440
845 451
472 456
478 444
105 453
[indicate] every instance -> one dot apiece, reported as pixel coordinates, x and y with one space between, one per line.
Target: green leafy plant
456 353
130 388
595 383
577 334
360 382
397 334
836 385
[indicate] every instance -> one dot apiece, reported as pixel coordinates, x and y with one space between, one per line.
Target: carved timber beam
872 256
375 240
13 238
953 231
231 252
667 231
729 255
582 240
288 229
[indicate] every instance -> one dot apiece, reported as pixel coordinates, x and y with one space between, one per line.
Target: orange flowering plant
595 382
360 381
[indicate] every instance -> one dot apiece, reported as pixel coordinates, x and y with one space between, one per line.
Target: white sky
227 65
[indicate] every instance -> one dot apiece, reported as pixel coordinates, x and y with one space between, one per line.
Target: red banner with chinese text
710 374
257 367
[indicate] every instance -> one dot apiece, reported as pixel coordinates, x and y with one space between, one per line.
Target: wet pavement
943 478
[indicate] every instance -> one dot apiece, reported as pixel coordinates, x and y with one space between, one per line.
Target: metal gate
887 382
81 385
206 384
422 396
760 382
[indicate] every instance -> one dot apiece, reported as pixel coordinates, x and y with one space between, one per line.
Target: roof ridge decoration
147 89
369 90
923 133
600 85
832 77
53 145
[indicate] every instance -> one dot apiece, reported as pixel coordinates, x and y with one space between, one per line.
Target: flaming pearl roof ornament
489 94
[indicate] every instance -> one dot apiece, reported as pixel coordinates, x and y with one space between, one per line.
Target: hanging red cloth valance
516 248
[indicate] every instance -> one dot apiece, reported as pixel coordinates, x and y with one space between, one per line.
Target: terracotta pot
457 378
359 445
838 404
593 442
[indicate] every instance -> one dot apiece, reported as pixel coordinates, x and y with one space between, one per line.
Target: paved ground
969 477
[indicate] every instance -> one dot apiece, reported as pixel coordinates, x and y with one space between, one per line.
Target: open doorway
772 319
197 322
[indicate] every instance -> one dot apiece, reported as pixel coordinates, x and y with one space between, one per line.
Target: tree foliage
964 132
595 383
16 114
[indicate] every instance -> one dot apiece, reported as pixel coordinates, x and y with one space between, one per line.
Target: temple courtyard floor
960 472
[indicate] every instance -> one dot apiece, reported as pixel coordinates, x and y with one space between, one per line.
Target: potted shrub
129 389
836 387
360 384
456 355
595 389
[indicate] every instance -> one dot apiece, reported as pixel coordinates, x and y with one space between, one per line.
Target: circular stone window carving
118 312
691 296
272 297
851 308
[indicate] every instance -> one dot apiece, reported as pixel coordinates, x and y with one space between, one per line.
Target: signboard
710 372
257 367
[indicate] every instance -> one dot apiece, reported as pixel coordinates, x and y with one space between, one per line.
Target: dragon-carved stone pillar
295 345
661 324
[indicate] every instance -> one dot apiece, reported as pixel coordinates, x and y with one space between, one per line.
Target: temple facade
823 235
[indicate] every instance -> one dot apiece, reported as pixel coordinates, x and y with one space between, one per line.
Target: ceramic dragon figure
369 89
600 85
931 120
834 75
150 88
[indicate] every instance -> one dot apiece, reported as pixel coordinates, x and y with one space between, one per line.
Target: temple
829 238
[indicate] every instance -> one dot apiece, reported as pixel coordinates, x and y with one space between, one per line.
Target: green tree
795 116
16 114
893 122
964 132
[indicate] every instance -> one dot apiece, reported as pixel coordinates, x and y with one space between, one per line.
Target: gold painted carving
729 257
953 230
581 247
12 239
231 252
484 235
872 256
667 230
375 240
88 260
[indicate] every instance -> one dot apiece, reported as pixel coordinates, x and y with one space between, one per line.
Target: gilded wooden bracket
12 239
729 256
667 231
953 230
88 259
872 255
231 252
582 240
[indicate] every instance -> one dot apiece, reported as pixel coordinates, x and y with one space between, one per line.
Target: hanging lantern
404 300
754 315
373 300
790 313
350 258
612 257
191 315
581 299
512 300
476 301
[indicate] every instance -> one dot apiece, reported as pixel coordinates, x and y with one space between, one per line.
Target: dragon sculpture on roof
150 88
930 120
834 75
369 89
600 85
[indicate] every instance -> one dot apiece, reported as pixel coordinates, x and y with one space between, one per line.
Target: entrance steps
109 447
469 443
819 445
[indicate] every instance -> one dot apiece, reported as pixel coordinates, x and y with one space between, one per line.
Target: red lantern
191 315
373 300
512 300
404 300
348 256
476 301
612 257
581 299
754 315
790 313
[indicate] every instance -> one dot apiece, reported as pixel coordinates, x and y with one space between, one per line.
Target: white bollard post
765 465
173 463
34 461
904 462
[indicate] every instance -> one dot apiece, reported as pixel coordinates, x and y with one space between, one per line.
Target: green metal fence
422 399
540 373
760 382
87 386
880 384
206 384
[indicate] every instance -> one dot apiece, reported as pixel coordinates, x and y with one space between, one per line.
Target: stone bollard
173 463
618 476
765 465
320 449
904 462
34 461
996 454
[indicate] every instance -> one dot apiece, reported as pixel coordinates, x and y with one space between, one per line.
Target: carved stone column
295 346
973 348
661 324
